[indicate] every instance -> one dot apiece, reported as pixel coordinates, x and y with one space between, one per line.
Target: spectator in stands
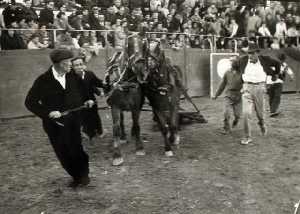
10 40
121 14
233 28
29 12
94 19
45 37
264 31
281 29
195 15
254 22
117 4
32 27
61 22
271 23
34 42
64 40
12 13
47 15
84 39
77 21
212 10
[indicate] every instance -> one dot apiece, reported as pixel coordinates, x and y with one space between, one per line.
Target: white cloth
264 31
254 73
281 29
60 78
283 68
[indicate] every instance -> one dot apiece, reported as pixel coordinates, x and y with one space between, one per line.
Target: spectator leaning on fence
176 16
34 42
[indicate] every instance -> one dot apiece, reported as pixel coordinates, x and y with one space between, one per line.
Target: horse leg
117 156
122 129
174 137
164 127
136 133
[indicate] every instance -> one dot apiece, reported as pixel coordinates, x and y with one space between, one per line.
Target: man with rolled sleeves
254 69
52 93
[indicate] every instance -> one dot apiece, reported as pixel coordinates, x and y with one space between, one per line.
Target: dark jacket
48 95
270 65
46 17
11 43
92 83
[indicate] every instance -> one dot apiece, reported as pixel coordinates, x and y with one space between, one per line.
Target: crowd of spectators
96 24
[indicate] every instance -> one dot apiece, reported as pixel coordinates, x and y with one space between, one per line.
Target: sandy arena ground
210 174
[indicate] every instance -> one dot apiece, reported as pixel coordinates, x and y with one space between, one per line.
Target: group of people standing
68 85
250 77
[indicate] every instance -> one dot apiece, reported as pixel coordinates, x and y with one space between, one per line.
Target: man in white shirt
254 69
275 87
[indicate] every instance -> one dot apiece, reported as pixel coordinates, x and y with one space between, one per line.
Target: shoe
102 133
274 114
263 130
83 181
225 131
246 141
234 123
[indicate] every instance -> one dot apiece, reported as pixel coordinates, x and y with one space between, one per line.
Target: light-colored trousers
253 100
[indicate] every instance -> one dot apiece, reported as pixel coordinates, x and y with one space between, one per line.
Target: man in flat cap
254 69
52 93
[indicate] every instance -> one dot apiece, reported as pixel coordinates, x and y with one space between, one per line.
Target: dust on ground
210 174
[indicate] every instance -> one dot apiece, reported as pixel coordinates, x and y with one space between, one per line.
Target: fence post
54 38
185 65
106 49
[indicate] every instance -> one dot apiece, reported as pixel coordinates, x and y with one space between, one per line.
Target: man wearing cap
52 93
254 69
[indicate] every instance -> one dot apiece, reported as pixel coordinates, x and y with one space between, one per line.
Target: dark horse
125 94
161 83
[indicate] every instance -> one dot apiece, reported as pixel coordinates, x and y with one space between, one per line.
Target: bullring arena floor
210 173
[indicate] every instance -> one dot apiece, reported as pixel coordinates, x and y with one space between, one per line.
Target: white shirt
60 78
254 73
264 31
281 29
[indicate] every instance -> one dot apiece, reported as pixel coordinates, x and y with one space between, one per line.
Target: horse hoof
123 141
169 153
140 153
117 161
177 140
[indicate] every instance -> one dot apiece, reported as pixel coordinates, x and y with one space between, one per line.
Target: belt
255 83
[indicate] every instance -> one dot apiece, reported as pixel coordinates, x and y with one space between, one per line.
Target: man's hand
89 103
54 114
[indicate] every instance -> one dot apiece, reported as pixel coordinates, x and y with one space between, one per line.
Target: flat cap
58 55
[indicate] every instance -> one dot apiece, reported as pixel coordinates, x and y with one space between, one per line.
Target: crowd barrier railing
172 40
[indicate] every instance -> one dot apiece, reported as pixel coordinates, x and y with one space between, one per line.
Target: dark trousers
91 122
274 92
66 142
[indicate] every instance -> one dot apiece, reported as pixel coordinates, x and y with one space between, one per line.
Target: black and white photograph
150 107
